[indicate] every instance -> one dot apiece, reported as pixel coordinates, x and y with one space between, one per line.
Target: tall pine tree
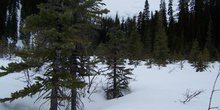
59 31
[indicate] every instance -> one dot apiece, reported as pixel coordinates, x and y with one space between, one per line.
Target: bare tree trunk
115 79
53 102
73 71
74 100
54 92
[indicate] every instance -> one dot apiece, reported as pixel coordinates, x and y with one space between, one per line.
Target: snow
151 89
155 89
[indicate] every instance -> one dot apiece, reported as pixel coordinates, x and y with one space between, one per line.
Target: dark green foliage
135 46
206 56
59 31
171 32
201 65
194 53
146 12
148 42
203 61
161 50
114 53
199 59
27 91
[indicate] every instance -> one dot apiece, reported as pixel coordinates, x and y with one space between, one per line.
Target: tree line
64 34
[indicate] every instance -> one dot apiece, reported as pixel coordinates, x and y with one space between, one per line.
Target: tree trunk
115 79
53 102
73 71
74 100
54 92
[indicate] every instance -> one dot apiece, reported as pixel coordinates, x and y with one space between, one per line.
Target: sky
130 8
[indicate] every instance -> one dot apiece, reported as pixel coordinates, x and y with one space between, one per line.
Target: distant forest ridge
197 20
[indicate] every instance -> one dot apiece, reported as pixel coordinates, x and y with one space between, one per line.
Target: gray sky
130 8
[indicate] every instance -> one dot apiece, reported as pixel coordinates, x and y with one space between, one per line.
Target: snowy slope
155 89
151 89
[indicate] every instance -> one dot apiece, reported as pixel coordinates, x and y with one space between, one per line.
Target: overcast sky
130 8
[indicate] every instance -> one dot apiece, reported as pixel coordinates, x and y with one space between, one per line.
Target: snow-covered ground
151 89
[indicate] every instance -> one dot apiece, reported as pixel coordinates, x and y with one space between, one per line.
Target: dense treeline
163 36
195 20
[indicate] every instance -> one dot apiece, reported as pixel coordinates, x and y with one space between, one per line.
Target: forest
71 36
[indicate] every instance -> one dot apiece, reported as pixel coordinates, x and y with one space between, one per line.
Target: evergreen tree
146 12
203 59
59 32
135 46
160 49
183 27
114 53
106 24
171 32
194 53
148 43
206 56
170 11
163 13
209 43
140 23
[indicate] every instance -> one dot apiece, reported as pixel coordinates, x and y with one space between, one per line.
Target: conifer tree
183 22
206 56
199 64
114 53
59 32
193 56
135 46
148 43
209 43
160 49
203 59
163 13
139 23
171 32
146 12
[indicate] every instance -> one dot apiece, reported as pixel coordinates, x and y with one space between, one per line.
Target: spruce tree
114 52
163 13
171 28
160 49
146 12
59 32
193 56
203 59
135 47
209 41
183 27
